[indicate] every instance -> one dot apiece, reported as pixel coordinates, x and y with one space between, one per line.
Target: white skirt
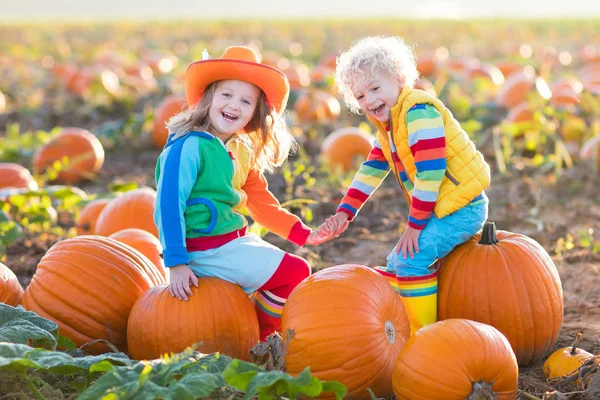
247 261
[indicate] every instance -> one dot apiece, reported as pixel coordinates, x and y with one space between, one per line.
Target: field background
55 76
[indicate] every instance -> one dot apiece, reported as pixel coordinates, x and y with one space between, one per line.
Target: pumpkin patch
84 308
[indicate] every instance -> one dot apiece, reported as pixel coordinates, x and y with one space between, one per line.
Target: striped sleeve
427 141
367 179
177 171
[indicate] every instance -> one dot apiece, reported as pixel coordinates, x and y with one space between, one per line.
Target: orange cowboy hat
240 63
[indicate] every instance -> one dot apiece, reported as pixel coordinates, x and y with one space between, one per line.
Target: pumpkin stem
482 391
488 235
390 331
575 342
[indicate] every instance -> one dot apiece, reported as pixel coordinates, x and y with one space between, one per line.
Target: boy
437 166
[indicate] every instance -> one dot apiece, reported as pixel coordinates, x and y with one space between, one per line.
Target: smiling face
232 107
377 96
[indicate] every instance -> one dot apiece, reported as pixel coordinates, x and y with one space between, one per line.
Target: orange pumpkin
166 109
506 280
219 314
81 147
315 105
485 70
17 176
519 85
347 324
86 222
522 112
508 68
88 285
11 290
144 242
344 146
456 359
133 209
565 361
427 64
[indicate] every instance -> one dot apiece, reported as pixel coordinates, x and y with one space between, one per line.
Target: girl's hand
338 223
180 278
409 242
314 238
332 227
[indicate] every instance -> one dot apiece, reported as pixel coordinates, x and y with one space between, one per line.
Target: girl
438 168
212 167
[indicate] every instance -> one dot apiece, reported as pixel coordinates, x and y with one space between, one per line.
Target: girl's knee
298 266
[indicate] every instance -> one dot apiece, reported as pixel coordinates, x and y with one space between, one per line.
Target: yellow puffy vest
467 173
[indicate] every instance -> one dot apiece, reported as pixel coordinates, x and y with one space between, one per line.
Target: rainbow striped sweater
427 141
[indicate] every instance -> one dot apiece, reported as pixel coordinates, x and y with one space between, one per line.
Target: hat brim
273 82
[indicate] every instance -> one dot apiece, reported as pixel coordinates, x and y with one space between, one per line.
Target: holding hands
332 227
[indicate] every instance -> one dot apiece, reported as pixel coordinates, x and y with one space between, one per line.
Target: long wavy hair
266 134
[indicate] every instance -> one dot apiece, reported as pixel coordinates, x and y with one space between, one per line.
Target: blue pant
438 238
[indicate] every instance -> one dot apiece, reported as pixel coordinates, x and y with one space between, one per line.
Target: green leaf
145 374
10 231
337 388
19 357
271 384
65 343
278 383
193 386
239 374
13 357
18 325
123 187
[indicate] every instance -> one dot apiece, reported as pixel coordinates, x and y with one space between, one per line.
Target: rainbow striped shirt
427 141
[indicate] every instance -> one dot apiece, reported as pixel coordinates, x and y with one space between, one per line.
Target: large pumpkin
83 150
144 242
11 290
506 280
218 314
133 209
88 285
347 324
344 146
86 222
166 109
456 359
17 176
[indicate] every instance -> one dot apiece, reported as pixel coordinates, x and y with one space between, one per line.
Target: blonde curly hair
370 55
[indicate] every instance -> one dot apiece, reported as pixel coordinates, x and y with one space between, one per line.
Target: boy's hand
180 278
409 242
332 227
338 223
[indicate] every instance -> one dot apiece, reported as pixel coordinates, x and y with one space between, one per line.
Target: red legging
270 297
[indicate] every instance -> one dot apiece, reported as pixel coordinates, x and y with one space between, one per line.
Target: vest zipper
392 147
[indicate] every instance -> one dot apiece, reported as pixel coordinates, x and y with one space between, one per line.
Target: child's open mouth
379 109
229 117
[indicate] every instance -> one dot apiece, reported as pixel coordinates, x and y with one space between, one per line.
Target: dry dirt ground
542 207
